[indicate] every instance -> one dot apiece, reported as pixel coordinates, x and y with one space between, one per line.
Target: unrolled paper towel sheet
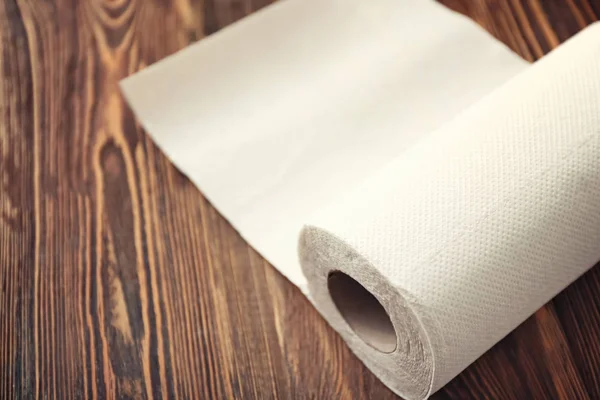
375 154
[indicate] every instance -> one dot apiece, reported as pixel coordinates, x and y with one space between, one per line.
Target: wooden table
119 280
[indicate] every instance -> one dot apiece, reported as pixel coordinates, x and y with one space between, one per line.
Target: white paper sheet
278 115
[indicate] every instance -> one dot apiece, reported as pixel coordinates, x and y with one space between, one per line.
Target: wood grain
119 280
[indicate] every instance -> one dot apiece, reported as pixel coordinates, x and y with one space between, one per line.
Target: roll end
373 316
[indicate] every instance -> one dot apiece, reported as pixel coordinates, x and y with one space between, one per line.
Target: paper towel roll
435 258
421 255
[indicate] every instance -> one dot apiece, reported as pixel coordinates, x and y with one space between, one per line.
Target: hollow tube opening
362 311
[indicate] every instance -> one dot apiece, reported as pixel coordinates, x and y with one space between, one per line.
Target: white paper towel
277 115
421 249
469 232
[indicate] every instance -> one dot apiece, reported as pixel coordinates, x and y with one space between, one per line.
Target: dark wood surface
119 280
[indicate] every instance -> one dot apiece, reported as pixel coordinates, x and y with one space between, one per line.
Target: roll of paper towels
425 213
469 232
